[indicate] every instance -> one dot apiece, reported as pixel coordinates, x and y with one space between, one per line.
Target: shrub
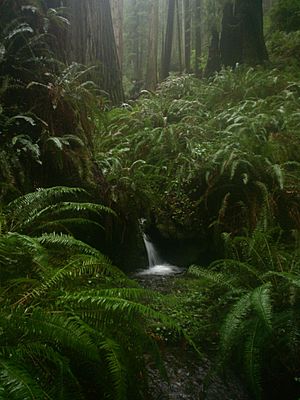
285 16
260 302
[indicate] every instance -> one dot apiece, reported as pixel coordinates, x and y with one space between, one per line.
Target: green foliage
217 155
67 314
260 302
45 107
285 16
284 48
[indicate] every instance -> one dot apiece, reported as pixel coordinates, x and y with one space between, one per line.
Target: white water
156 265
153 256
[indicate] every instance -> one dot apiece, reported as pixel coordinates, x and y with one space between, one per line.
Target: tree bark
137 58
242 38
230 42
198 43
179 36
117 10
187 35
93 42
250 15
151 69
214 62
166 59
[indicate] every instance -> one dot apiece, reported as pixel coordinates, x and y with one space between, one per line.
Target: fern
252 359
218 278
66 242
126 309
52 212
113 355
41 198
261 303
66 331
233 324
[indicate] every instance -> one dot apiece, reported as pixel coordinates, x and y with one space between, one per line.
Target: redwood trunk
92 42
166 61
187 35
151 72
117 10
198 44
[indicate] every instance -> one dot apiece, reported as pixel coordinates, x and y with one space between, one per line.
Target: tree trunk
179 36
166 60
250 15
151 71
187 35
117 10
92 42
230 42
242 38
214 62
137 64
198 44
267 4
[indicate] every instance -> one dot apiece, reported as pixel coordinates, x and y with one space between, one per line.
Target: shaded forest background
183 114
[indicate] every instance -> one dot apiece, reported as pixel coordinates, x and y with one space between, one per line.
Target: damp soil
189 377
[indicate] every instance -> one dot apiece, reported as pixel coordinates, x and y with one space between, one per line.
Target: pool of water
163 269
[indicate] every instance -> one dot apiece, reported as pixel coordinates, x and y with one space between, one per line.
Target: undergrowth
216 155
72 324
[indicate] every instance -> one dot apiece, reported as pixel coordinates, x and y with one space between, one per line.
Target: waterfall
153 256
156 265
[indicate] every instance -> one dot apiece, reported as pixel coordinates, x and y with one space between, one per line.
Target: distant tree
198 44
187 34
137 21
214 62
168 43
267 4
117 10
179 35
151 69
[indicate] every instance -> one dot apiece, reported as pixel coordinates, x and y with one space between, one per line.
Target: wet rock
190 378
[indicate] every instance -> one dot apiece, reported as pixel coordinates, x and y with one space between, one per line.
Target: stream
188 376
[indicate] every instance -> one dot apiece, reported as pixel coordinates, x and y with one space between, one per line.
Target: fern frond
125 309
66 242
56 210
233 323
18 383
64 224
252 358
63 330
39 353
116 366
279 175
292 278
134 294
20 208
82 265
261 303
234 266
217 278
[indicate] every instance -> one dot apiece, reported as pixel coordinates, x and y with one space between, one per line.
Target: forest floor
189 377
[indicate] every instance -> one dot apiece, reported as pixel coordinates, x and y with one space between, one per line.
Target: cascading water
156 265
153 256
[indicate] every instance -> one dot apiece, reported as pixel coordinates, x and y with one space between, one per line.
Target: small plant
260 291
